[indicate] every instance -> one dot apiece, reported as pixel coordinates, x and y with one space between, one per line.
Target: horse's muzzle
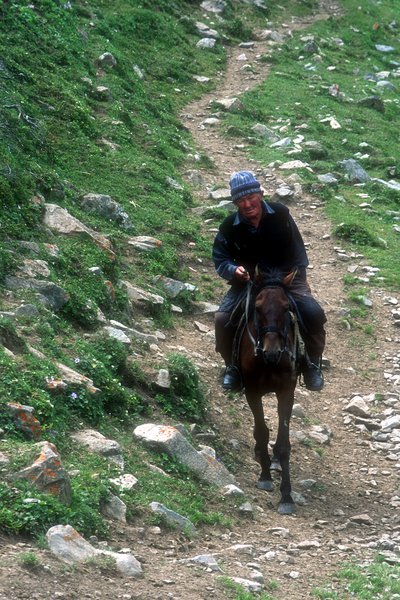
271 357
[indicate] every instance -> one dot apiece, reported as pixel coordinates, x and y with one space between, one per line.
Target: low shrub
185 398
358 234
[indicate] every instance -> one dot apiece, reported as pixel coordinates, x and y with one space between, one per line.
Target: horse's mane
266 276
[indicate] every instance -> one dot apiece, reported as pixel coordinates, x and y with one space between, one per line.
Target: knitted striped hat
242 184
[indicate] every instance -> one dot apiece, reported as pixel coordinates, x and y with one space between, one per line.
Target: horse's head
272 317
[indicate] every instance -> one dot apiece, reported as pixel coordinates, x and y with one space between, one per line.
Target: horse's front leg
261 436
282 451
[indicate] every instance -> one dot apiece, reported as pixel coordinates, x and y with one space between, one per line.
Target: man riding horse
263 233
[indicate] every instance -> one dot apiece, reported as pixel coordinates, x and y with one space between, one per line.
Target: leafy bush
358 234
35 518
238 30
19 215
104 361
88 290
80 309
185 399
29 560
7 263
106 353
86 405
27 385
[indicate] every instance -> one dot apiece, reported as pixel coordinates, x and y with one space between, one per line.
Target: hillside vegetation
75 122
90 97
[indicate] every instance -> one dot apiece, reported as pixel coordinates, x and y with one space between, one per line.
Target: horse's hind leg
282 452
261 436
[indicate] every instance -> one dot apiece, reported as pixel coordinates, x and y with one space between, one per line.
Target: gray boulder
173 518
315 150
206 31
107 59
214 6
173 287
374 102
71 548
263 131
115 509
106 207
169 440
206 43
328 179
97 443
50 293
354 171
58 219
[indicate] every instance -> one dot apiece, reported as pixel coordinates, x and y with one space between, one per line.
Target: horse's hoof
287 508
275 465
265 484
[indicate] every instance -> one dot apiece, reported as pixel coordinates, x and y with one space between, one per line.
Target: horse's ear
288 279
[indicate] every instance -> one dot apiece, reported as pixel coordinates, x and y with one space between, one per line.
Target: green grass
90 487
178 490
34 518
185 398
29 560
297 94
60 135
377 581
61 140
235 591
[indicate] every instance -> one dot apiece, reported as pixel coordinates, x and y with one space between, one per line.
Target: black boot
312 374
232 380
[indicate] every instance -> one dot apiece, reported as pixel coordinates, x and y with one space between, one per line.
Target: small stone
163 379
308 544
363 519
206 43
358 407
307 484
232 490
298 411
250 586
246 508
293 575
125 481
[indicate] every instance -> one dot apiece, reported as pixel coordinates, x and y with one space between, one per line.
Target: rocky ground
347 477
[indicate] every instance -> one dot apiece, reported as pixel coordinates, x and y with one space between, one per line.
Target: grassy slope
54 119
52 124
298 93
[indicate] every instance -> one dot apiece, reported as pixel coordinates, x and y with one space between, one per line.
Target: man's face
250 207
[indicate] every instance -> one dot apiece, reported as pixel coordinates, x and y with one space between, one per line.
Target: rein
247 313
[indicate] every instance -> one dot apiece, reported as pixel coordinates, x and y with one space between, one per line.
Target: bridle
262 330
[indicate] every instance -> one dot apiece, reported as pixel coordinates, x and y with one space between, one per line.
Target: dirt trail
352 479
235 81
297 552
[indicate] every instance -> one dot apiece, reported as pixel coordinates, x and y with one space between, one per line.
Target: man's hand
242 274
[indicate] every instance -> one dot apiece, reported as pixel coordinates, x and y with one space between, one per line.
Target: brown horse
269 355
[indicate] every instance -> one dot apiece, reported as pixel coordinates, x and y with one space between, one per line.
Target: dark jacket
276 243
